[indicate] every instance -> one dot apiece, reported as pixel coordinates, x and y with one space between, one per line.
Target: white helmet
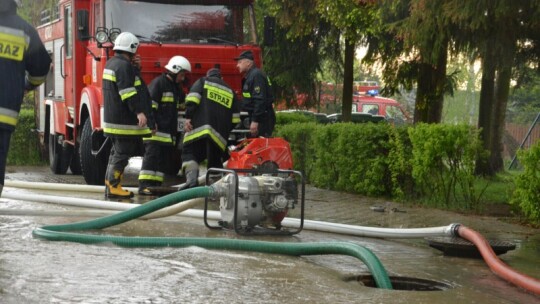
126 42
178 64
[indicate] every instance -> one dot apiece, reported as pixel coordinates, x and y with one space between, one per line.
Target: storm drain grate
456 246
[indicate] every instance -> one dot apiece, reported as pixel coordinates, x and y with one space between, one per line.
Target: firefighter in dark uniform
167 95
125 120
24 64
258 98
212 110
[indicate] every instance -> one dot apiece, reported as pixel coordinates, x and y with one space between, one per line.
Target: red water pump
259 188
262 154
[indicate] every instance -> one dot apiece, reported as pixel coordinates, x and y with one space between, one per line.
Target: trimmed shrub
433 163
24 145
285 118
400 165
300 138
527 192
443 164
351 157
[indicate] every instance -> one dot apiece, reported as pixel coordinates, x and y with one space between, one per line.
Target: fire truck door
68 69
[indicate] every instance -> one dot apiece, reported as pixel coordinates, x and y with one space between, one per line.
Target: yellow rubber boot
113 188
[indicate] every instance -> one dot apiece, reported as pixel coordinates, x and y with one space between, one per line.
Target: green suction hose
56 233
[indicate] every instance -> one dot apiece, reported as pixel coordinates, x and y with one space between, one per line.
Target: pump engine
257 204
259 188
262 200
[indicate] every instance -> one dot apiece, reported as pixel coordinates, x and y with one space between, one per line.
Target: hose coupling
218 189
454 229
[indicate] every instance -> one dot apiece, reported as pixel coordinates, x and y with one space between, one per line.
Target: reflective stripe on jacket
24 63
121 100
213 109
166 98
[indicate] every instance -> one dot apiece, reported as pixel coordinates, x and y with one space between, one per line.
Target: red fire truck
79 36
365 100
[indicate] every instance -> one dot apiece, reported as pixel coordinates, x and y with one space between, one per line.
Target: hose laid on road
362 231
91 203
75 187
496 265
59 186
58 233
55 213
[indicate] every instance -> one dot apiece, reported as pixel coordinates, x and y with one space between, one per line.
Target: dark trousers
122 150
153 164
5 137
202 149
267 124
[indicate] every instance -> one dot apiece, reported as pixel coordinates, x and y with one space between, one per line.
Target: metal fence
517 135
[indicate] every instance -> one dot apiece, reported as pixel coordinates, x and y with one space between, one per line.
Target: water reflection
39 271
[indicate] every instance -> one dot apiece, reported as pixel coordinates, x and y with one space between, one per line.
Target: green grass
499 188
463 107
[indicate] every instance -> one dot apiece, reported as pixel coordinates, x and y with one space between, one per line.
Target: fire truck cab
365 100
78 35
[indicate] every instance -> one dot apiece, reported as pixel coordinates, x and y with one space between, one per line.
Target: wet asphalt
345 208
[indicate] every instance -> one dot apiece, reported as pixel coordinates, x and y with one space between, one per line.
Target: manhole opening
406 283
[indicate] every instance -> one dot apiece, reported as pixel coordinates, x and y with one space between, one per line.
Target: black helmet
213 72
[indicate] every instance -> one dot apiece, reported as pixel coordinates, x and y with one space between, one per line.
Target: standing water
35 270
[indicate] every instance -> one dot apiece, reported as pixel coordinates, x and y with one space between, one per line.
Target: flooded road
35 270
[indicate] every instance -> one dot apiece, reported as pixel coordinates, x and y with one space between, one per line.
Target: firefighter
167 95
212 110
257 95
24 64
125 120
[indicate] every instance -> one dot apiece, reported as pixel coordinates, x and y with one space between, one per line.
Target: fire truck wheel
75 164
93 167
59 157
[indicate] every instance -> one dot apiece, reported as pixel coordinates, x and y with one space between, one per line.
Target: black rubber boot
145 188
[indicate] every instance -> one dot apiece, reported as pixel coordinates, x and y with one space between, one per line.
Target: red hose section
496 265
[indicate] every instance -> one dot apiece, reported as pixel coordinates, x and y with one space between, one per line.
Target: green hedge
431 163
24 145
285 118
358 158
443 164
527 192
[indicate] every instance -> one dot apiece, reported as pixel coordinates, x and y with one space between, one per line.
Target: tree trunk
485 110
421 106
439 82
502 90
348 72
430 93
